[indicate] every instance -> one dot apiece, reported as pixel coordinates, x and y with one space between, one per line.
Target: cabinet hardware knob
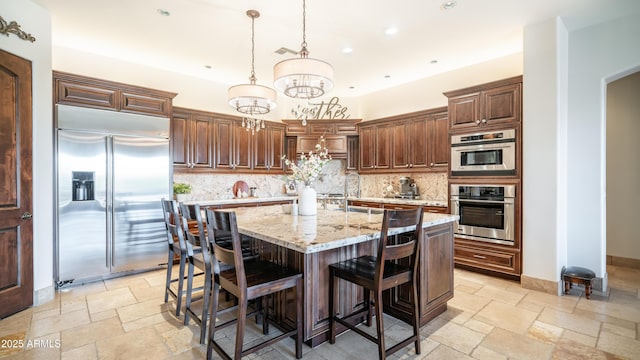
484 121
407 165
431 164
410 165
26 216
478 122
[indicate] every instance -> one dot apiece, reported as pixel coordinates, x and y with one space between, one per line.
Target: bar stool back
247 281
376 274
177 248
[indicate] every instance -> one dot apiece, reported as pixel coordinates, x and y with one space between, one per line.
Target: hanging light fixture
250 99
303 78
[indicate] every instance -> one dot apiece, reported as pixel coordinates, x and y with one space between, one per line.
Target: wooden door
367 153
180 140
400 147
418 141
383 147
502 104
223 144
242 147
16 227
276 147
261 150
200 138
352 153
464 111
439 142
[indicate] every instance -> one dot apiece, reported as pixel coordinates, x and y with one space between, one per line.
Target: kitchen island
310 243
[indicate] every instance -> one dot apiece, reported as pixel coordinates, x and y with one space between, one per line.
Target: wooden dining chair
246 281
198 257
395 264
177 248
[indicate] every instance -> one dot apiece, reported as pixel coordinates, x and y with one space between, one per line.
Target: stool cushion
578 272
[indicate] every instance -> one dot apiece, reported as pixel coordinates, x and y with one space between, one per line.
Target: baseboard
623 262
44 295
545 286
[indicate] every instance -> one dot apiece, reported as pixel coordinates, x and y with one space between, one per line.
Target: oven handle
505 201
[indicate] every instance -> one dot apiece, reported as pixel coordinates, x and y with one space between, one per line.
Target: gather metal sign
330 110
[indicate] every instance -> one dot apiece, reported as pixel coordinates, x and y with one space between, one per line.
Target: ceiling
211 39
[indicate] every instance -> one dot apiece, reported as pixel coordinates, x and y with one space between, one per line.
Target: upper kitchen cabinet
496 103
438 125
375 147
316 128
414 142
269 148
233 145
77 90
191 137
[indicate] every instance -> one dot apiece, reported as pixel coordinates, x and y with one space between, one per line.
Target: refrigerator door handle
110 207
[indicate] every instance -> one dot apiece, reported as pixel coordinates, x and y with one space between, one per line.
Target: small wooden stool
578 275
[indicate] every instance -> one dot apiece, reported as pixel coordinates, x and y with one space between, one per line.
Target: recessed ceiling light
387 76
164 12
433 61
347 50
447 5
392 30
352 87
207 66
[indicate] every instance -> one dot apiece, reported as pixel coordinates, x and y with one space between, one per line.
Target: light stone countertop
248 200
329 229
403 201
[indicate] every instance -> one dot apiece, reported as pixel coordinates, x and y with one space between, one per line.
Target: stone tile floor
488 318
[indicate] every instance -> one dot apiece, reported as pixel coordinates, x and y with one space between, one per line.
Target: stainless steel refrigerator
112 170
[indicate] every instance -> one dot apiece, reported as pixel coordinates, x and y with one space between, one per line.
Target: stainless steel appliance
487 153
487 212
408 188
112 170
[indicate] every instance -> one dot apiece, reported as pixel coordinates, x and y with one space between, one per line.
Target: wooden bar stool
577 275
247 281
198 256
177 248
376 274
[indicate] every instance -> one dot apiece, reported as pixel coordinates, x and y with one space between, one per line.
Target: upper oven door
483 159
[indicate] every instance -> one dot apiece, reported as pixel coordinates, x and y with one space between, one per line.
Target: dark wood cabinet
497 103
345 127
435 278
233 145
85 91
352 152
485 256
415 142
439 152
191 136
269 148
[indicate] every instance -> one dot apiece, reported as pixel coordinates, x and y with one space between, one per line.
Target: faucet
346 188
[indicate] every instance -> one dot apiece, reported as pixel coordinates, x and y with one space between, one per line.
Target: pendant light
250 99
303 78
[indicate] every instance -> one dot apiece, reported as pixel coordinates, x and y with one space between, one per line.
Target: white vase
308 206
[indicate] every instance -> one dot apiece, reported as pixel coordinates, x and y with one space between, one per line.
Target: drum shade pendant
303 78
250 99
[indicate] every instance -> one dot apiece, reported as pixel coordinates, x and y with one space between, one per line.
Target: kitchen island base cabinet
436 282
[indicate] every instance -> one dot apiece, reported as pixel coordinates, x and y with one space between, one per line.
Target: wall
427 93
544 152
597 54
623 166
35 20
564 107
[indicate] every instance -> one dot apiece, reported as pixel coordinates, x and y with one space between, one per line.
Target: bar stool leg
241 320
332 306
180 283
169 269
189 290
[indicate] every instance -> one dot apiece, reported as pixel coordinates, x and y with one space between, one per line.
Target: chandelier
303 78
250 99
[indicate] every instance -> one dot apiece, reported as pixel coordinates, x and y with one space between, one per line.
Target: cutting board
242 186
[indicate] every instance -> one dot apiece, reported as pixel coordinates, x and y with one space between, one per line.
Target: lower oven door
485 220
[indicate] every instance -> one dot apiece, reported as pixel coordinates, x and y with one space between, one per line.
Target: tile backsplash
431 186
